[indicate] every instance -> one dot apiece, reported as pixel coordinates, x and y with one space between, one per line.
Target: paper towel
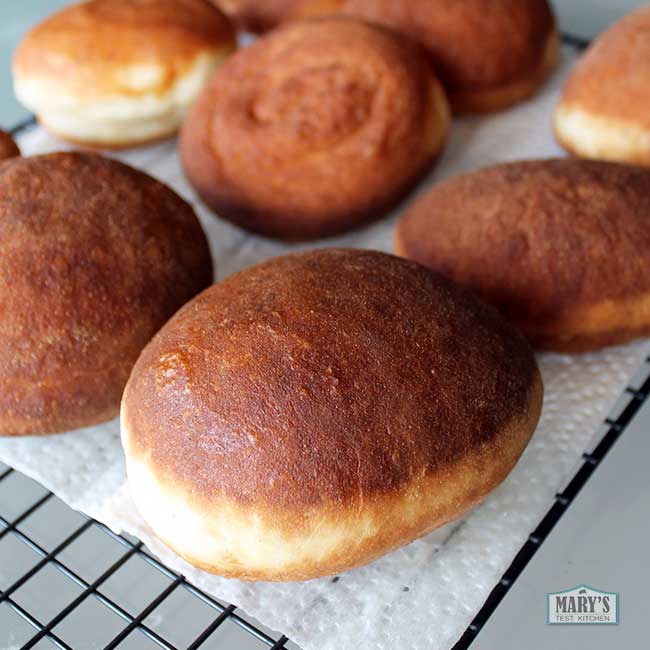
424 595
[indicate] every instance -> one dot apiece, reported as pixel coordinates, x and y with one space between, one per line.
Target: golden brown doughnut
604 111
96 256
117 73
315 411
489 54
8 148
317 127
561 247
257 15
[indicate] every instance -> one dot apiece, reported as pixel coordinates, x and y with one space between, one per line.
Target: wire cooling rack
102 590
634 396
49 533
123 597
69 582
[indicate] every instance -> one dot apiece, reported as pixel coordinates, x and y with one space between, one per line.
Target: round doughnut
313 412
488 54
256 16
604 110
561 247
96 256
118 73
314 129
8 148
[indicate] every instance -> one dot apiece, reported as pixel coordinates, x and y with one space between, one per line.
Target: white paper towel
424 595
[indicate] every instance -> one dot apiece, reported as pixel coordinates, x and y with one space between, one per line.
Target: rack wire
129 548
134 624
23 528
615 427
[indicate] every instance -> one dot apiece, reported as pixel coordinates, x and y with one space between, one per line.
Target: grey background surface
601 541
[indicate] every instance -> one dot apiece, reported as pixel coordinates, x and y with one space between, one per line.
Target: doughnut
316 411
489 54
604 110
8 148
256 16
118 73
561 247
96 257
314 129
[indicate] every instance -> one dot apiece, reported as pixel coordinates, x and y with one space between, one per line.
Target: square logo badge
582 605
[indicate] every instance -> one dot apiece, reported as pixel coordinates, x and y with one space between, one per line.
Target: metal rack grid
614 428
129 548
22 528
217 614
134 625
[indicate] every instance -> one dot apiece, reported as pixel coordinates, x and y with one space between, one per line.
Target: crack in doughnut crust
96 256
603 112
315 411
561 247
314 129
117 73
489 54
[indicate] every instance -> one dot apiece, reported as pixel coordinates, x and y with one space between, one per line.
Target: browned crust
500 97
256 16
88 47
329 377
559 246
612 79
478 46
416 509
314 129
95 258
8 148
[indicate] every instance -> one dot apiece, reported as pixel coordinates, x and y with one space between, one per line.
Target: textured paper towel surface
424 595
